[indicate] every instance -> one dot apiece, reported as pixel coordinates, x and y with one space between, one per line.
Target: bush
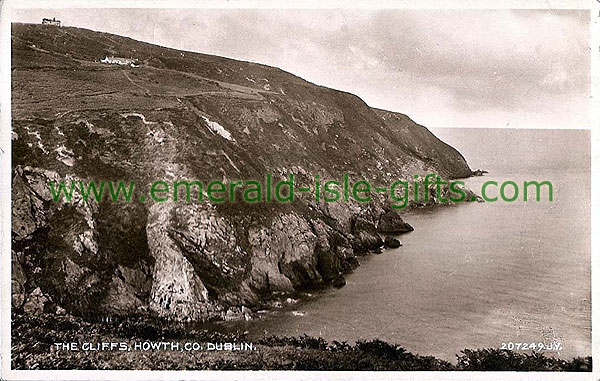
503 360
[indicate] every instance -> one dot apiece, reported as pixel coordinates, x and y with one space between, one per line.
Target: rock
391 242
18 280
121 296
377 251
391 222
335 256
472 196
178 292
339 282
349 261
236 313
247 312
36 302
478 172
446 194
283 254
361 224
187 260
329 264
351 264
233 313
363 242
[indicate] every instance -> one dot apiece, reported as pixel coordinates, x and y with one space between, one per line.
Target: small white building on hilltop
54 21
120 61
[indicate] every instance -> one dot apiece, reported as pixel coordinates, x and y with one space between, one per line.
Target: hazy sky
444 68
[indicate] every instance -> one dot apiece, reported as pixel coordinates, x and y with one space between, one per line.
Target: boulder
36 302
391 242
339 282
391 222
363 242
247 312
363 225
233 313
351 264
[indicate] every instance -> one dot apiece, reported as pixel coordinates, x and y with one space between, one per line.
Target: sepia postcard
336 190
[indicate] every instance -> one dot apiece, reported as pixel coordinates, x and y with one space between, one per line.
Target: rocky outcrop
338 282
391 222
18 280
177 290
283 254
198 117
36 302
334 252
392 243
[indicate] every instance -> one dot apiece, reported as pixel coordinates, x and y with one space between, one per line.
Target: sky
443 68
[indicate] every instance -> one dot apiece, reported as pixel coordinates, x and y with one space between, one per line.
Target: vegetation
33 338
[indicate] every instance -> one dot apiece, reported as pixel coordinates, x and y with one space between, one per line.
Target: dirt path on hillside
231 86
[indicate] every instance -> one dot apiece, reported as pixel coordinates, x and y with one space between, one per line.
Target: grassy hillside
180 115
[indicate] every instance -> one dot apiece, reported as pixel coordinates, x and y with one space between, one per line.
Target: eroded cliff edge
183 115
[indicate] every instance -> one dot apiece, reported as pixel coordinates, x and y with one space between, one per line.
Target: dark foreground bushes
32 339
380 355
496 359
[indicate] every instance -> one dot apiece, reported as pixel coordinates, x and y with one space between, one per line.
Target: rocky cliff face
189 116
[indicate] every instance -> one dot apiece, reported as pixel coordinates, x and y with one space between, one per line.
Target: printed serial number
511 346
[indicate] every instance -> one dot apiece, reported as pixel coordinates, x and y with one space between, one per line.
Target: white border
595 181
5 195
308 4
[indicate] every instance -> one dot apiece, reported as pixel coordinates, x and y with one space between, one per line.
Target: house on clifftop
54 22
120 61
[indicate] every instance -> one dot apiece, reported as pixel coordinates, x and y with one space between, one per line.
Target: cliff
182 115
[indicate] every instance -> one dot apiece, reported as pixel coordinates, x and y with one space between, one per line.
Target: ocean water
474 275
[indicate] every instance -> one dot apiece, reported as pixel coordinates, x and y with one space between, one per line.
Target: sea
473 275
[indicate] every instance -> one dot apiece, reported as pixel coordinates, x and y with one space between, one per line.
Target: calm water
478 274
